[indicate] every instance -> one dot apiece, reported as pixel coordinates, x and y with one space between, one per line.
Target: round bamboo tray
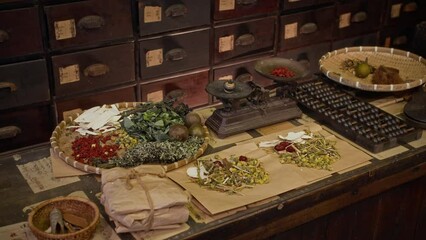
38 219
412 68
60 128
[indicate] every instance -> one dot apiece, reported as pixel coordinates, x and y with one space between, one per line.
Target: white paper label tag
156 96
154 57
290 30
225 5
151 14
65 29
345 20
396 10
69 74
226 78
226 43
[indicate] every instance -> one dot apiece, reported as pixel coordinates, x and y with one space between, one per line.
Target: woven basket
38 219
91 169
412 68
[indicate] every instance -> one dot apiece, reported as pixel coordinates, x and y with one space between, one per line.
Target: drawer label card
156 96
226 5
396 10
290 30
151 14
65 29
69 74
345 20
154 57
226 78
226 43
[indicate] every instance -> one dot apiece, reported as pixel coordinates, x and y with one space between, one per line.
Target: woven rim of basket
357 83
91 228
91 169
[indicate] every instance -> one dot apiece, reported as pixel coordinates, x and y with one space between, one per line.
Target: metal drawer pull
244 77
410 7
245 40
401 40
246 2
3 36
176 10
96 70
91 22
359 17
9 132
176 54
308 28
10 85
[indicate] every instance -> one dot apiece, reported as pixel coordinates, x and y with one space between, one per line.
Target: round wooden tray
56 134
412 68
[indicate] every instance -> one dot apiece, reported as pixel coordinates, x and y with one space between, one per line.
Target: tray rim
97 170
372 87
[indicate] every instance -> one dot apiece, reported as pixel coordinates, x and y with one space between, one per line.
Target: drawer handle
3 36
410 7
9 132
91 22
245 40
9 85
176 54
246 2
96 70
244 77
401 40
359 17
176 10
308 28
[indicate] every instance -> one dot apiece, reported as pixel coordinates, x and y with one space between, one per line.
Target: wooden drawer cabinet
400 37
371 39
242 71
88 22
403 12
357 17
230 9
294 4
66 107
157 16
93 69
309 56
193 85
304 28
24 127
23 84
20 33
174 53
243 39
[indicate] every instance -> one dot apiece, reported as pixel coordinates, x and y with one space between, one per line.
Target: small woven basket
38 219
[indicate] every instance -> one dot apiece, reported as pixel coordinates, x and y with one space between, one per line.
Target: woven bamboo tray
60 129
38 218
412 68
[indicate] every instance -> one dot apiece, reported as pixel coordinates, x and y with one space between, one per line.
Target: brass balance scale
247 106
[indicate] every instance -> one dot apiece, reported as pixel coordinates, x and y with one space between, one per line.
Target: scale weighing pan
266 66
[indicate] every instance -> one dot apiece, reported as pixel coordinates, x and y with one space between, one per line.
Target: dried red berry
243 158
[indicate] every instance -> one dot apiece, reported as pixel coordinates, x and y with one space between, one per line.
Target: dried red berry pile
284 147
87 148
283 72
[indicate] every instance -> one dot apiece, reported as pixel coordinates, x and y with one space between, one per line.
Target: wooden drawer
67 107
403 12
157 16
93 69
20 33
23 84
174 53
371 39
242 71
357 17
244 38
192 84
401 37
228 9
309 55
305 28
24 127
88 22
294 4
